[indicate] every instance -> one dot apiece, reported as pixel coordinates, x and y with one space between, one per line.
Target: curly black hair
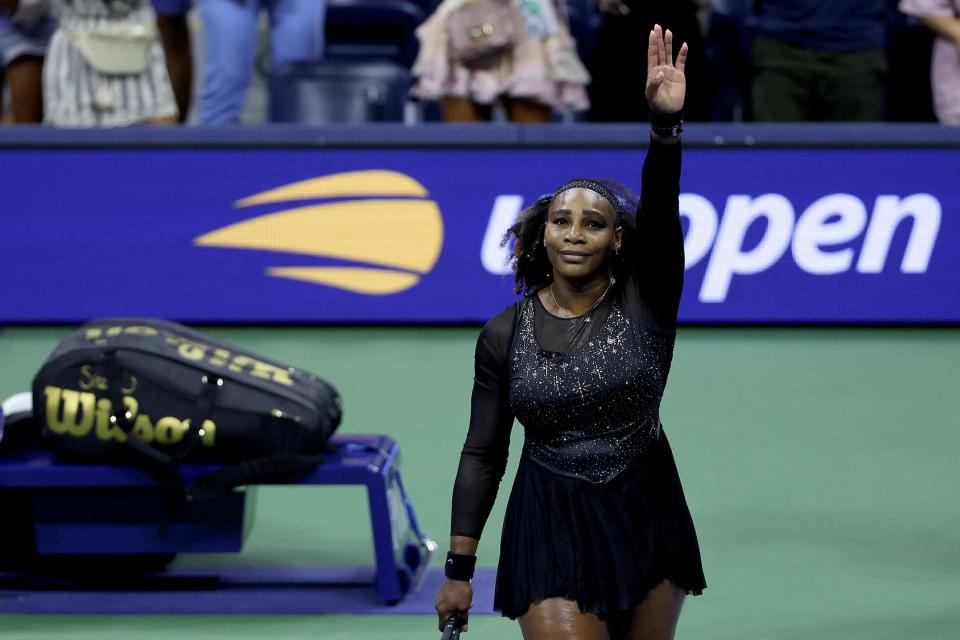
531 266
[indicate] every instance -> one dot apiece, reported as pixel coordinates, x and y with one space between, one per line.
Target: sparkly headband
584 183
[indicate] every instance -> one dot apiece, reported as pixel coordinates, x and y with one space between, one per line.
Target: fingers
652 54
660 51
668 47
454 597
682 57
661 48
444 617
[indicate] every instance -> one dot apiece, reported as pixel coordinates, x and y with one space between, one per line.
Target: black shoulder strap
280 467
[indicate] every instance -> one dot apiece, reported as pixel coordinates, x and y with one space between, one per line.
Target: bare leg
163 122
456 109
25 76
656 617
524 111
3 114
560 619
175 35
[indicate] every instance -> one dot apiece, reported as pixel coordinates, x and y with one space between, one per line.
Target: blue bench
101 509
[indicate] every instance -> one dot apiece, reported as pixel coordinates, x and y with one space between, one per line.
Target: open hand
666 82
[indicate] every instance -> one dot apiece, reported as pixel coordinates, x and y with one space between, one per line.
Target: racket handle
453 628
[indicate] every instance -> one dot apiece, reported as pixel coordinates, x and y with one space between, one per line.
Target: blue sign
413 235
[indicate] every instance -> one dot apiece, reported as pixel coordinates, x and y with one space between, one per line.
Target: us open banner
413 235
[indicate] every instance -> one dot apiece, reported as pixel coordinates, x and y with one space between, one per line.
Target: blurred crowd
87 63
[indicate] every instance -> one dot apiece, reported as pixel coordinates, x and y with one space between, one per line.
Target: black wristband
667 124
458 567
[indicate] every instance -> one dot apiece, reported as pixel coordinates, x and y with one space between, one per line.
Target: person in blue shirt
819 60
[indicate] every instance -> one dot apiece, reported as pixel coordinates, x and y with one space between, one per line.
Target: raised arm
483 459
658 261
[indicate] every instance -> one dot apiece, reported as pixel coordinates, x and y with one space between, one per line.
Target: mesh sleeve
483 459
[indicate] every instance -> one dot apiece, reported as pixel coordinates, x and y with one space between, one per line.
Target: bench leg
392 582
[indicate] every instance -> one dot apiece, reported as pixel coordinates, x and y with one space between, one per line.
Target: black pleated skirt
604 546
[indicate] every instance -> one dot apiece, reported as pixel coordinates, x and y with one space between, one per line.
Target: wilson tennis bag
156 392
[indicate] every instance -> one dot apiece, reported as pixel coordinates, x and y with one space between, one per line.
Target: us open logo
382 229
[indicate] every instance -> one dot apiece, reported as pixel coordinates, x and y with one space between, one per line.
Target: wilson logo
80 414
382 232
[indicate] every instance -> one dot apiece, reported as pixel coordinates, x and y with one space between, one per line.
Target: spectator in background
23 44
819 60
540 73
621 38
4 21
909 97
175 37
105 66
230 39
728 55
943 17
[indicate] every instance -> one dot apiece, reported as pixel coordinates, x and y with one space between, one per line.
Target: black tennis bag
166 393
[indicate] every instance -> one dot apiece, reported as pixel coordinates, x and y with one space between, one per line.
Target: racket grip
453 628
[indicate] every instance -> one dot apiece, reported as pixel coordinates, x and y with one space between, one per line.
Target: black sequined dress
597 512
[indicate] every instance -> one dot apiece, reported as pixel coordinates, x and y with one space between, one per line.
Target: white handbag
115 48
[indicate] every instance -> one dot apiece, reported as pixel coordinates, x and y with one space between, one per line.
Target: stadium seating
374 29
339 92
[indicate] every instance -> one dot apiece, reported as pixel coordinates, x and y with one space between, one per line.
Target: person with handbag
476 53
597 539
105 66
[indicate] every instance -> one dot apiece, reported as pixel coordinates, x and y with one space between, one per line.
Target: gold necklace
591 309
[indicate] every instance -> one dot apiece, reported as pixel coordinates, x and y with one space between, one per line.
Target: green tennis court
821 467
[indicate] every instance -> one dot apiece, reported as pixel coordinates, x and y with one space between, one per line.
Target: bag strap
157 464
202 410
280 467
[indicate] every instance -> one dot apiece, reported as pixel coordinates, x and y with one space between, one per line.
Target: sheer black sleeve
657 258
484 456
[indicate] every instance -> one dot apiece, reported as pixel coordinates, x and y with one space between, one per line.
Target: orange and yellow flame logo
391 228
